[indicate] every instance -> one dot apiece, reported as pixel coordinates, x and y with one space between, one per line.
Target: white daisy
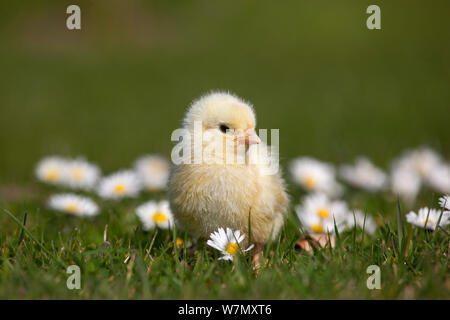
424 160
428 218
415 167
73 204
318 213
356 218
405 182
439 178
154 213
121 184
154 171
315 176
227 242
81 174
444 202
52 170
364 175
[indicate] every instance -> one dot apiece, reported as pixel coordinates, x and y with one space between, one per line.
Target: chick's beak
251 137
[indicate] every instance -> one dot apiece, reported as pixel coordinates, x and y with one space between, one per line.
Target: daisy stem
153 241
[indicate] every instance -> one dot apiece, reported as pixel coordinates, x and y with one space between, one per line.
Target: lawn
138 264
117 89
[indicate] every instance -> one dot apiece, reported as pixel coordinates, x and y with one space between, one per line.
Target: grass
118 88
135 264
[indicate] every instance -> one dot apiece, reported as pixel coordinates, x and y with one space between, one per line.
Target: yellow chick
220 190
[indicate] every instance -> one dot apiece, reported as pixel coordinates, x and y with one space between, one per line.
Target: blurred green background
118 87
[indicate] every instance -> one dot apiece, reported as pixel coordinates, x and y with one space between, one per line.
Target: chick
218 192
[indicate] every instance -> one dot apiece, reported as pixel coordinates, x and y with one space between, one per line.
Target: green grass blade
22 233
400 230
30 235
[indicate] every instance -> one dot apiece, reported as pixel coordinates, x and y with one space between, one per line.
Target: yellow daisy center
52 175
179 242
317 228
422 170
232 248
120 188
160 217
310 182
78 173
71 207
156 166
323 213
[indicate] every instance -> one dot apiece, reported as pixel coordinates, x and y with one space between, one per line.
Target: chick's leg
257 255
193 248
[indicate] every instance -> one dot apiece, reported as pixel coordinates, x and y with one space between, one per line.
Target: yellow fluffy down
206 197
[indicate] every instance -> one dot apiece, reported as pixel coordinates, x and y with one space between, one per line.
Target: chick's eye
223 128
